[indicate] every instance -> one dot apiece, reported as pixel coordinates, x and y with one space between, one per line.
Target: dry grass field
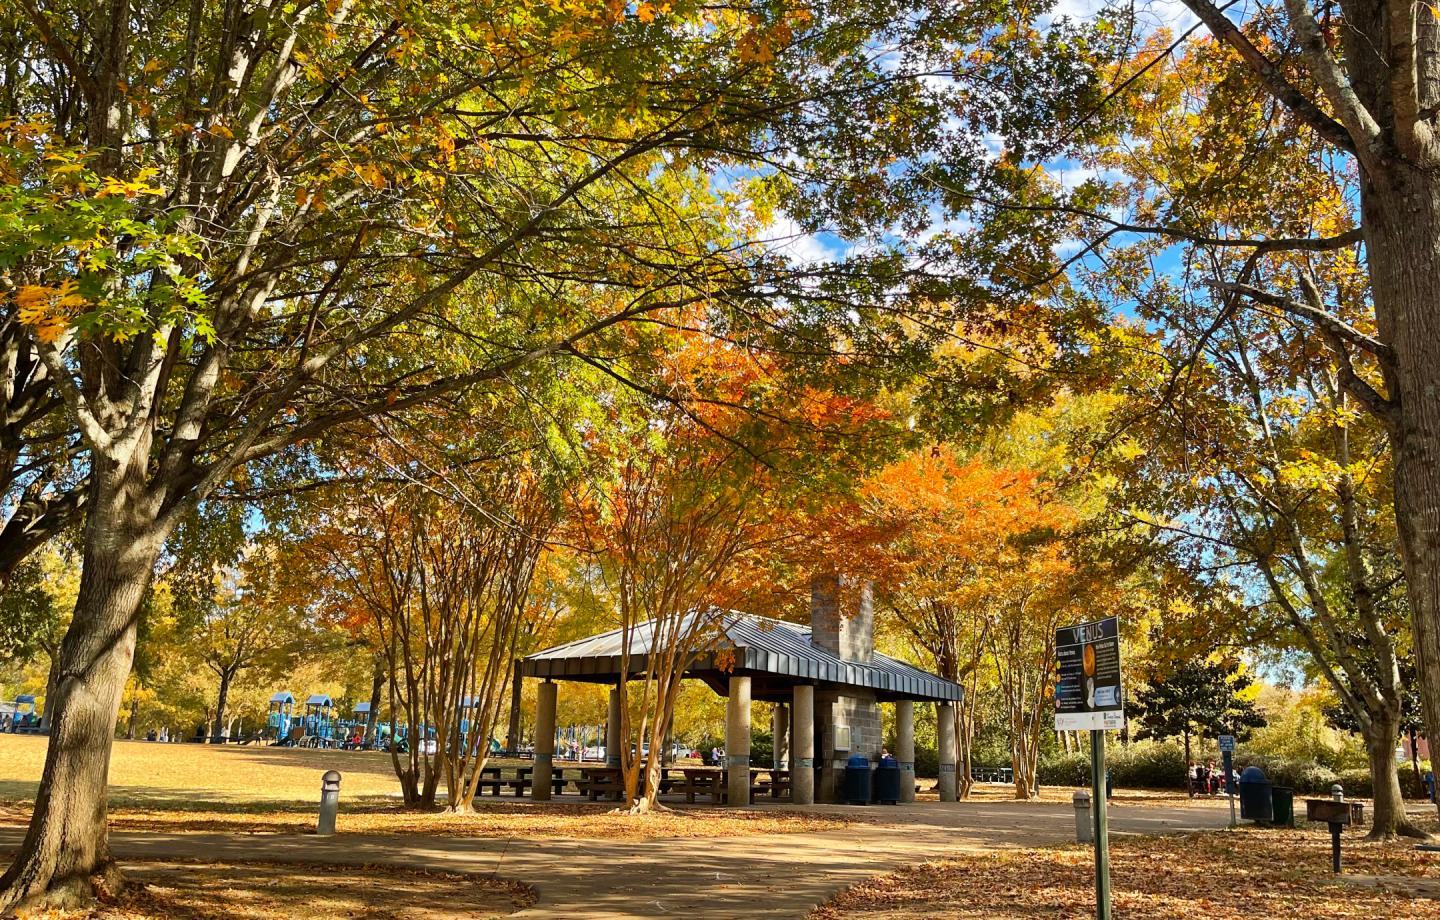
195 787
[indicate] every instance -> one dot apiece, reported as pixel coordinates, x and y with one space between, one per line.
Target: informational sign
1227 744
1087 685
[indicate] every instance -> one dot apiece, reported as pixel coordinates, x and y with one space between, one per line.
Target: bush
927 761
1139 766
1153 766
1066 770
762 747
1305 777
1357 784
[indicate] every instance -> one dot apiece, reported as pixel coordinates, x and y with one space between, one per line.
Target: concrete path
773 876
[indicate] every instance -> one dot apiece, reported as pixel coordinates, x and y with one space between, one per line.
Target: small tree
672 536
1204 697
240 628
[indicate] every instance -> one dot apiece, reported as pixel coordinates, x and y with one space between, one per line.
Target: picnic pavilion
827 680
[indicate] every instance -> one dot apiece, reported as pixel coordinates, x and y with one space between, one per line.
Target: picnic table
493 778
609 782
715 783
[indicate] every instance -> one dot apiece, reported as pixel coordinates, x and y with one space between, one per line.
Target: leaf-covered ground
1248 874
228 891
494 819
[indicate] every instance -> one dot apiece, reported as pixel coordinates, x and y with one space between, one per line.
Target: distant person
1109 785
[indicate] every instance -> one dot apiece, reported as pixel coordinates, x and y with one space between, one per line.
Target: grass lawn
199 787
228 891
1246 874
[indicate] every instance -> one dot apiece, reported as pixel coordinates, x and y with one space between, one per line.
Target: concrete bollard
1084 827
1337 792
329 803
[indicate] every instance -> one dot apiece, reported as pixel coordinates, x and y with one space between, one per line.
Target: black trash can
1282 806
857 780
1255 796
887 781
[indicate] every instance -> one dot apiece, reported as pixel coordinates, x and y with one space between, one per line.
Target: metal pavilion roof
762 646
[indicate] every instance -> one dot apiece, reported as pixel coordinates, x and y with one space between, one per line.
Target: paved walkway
776 875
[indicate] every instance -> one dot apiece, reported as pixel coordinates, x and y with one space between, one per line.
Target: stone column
945 725
546 695
613 741
737 739
905 747
779 733
802 746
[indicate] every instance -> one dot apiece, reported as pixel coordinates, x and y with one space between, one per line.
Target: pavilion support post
546 695
613 741
905 747
802 746
945 719
737 740
779 734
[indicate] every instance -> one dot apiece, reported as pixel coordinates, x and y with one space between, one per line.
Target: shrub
1139 766
1066 770
927 761
1151 766
1305 777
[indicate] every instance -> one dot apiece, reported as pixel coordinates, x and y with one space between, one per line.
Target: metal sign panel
1087 685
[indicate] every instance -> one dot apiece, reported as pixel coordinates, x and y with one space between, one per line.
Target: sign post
1087 697
1227 763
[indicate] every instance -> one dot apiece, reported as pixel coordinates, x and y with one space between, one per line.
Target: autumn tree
1207 697
675 535
240 227
238 628
1293 132
1262 457
943 536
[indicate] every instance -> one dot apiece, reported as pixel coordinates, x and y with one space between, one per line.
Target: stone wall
842 616
861 714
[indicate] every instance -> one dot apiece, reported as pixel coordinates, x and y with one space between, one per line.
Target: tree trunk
512 728
134 714
50 677
217 735
1401 218
372 721
964 742
67 842
1389 817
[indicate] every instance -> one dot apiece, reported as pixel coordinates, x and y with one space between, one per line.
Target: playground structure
21 715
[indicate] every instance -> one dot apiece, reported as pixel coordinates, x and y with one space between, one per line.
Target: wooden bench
702 782
606 781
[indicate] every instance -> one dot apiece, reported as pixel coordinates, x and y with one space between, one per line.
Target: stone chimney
842 617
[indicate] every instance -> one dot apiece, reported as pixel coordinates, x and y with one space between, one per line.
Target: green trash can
1282 806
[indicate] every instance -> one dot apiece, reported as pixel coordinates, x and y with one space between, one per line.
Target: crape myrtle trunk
67 842
1402 233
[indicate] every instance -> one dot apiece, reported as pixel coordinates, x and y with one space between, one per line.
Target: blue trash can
1256 799
887 781
857 780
